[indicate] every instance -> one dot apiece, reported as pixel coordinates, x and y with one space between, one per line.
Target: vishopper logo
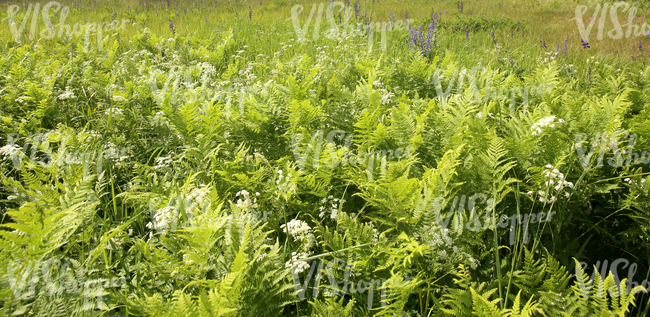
183 89
39 147
603 270
473 223
476 95
346 286
617 32
345 29
342 155
183 212
606 142
54 277
49 32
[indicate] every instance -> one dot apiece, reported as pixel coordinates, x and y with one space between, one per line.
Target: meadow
306 158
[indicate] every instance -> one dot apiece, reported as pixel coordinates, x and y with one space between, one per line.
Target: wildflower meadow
324 158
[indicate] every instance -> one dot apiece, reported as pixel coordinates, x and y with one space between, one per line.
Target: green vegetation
199 158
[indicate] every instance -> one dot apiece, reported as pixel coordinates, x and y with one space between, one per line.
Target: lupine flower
445 11
436 18
585 44
470 12
185 10
250 13
565 46
429 36
167 3
373 2
493 40
634 58
356 10
640 46
171 26
391 18
95 4
215 2
412 37
114 16
519 22
467 34
406 18
260 2
543 44
421 39
461 7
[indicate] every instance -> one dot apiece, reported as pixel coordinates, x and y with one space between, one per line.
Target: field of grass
304 158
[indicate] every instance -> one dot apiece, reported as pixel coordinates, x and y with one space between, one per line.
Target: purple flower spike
634 58
412 37
585 44
519 22
493 40
565 46
421 39
543 44
250 13
356 11
429 36
260 2
461 7
640 46
406 18
466 34
171 26
185 10
470 12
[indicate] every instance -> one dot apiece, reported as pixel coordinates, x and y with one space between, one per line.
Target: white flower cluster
298 229
114 111
334 207
284 183
386 96
118 98
375 234
556 180
13 151
480 115
162 162
247 204
186 260
67 94
296 263
631 181
113 152
197 198
539 126
436 237
163 219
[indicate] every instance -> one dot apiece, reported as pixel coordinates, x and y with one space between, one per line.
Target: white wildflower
114 111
